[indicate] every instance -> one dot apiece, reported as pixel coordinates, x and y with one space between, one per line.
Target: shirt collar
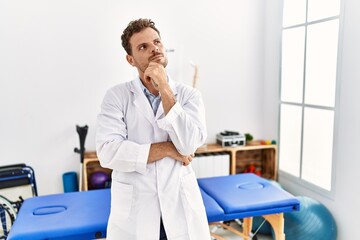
146 91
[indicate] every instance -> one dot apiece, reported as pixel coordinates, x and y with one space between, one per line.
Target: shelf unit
262 157
91 165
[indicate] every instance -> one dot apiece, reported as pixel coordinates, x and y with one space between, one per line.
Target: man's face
146 47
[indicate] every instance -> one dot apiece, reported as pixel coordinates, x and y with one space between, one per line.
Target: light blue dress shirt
153 100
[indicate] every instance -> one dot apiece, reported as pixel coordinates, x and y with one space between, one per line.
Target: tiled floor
231 236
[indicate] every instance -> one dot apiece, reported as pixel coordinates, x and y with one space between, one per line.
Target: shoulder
118 95
120 90
120 87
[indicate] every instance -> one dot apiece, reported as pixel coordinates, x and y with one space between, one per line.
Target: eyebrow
141 44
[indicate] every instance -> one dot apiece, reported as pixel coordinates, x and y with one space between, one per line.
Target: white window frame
298 180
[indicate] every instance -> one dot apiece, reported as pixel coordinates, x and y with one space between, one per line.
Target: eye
142 47
157 42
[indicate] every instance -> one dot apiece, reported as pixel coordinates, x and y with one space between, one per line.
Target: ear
130 59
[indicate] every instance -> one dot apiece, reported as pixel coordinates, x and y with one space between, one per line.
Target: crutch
82 131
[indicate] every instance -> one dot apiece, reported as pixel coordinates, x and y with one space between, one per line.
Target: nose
155 49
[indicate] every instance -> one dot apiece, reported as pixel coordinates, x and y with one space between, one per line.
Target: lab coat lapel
141 102
159 112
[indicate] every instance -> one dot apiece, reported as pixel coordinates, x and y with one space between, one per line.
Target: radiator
211 164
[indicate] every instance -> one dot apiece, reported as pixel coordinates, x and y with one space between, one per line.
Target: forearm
167 98
161 150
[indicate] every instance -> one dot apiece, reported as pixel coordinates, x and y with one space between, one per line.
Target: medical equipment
82 132
230 139
17 182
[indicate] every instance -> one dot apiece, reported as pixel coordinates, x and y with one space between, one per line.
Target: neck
149 86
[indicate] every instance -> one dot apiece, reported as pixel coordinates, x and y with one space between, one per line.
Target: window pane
294 12
292 65
318 9
317 146
290 139
321 61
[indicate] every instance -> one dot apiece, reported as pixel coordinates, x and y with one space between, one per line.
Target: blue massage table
84 215
244 196
70 216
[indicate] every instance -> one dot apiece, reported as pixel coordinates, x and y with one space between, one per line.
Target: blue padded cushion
214 212
73 215
247 194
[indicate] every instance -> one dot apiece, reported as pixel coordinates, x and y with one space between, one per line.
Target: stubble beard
164 62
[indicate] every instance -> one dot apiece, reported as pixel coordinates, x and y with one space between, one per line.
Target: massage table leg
275 220
213 228
277 223
247 226
217 237
245 233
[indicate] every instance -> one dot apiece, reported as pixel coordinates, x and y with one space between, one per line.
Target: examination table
84 215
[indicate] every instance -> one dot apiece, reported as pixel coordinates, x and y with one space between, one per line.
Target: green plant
248 137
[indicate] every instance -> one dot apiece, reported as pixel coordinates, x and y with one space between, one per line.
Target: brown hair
135 26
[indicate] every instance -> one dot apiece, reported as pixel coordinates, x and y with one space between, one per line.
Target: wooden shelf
91 165
262 157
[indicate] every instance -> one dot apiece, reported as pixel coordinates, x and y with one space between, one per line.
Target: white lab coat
142 192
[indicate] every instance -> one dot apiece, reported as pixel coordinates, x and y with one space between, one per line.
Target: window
308 89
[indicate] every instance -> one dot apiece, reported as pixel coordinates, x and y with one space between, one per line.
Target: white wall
57 59
344 203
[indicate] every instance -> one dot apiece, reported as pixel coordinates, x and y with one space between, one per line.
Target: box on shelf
230 139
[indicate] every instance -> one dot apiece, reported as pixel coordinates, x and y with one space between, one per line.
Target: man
148 130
